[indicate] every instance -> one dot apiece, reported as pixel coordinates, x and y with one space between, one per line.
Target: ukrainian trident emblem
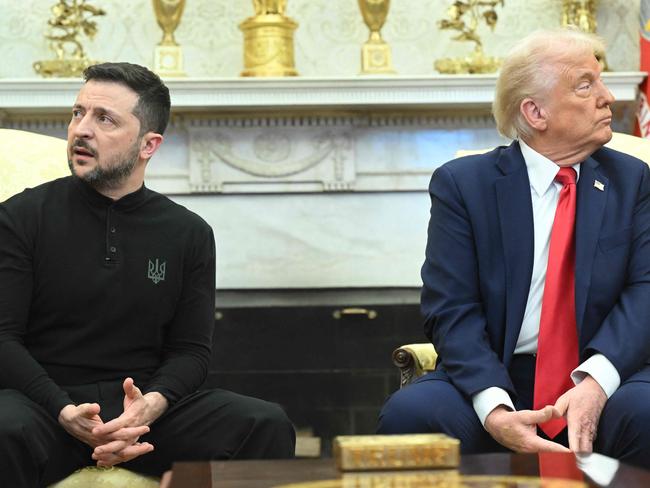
156 271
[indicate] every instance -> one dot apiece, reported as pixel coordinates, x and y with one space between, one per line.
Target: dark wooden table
267 474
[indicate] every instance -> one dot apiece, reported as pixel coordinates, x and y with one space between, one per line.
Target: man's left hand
582 406
139 410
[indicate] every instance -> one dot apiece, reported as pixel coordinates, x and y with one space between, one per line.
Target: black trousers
36 451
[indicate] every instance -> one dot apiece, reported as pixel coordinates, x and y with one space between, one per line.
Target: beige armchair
414 360
27 160
633 145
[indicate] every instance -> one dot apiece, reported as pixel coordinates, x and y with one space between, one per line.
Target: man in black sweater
107 309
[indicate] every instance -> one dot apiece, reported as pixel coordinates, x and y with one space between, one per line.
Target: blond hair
531 69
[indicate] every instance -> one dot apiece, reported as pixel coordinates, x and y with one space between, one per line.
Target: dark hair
152 109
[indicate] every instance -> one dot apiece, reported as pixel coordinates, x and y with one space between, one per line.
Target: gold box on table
409 451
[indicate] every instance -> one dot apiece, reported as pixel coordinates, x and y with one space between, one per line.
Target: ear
150 143
534 113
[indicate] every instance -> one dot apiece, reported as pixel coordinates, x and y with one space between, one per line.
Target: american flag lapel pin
598 185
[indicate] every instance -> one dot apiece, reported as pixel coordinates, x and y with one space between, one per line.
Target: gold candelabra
375 54
168 55
268 40
68 22
582 14
477 61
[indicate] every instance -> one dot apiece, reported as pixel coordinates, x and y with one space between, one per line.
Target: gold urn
168 55
376 56
268 40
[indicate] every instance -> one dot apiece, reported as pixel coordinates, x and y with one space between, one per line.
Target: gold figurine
68 22
582 14
168 55
268 40
375 53
477 62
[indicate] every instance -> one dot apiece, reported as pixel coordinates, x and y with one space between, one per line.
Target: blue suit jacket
479 261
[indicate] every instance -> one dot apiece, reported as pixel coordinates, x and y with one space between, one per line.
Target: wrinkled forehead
113 95
581 67
567 68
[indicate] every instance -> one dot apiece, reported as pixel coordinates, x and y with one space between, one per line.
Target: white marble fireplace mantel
421 92
307 182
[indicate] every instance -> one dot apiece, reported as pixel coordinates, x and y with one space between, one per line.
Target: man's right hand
80 420
517 430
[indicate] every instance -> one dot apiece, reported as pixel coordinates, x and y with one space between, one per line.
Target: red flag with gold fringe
642 126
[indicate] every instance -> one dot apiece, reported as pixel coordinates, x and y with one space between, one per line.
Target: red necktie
557 343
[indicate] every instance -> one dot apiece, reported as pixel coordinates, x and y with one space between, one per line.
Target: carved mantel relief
244 159
230 159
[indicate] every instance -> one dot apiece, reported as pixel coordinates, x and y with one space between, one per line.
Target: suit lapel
517 234
589 216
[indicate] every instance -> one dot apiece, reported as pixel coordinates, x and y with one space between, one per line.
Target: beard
111 174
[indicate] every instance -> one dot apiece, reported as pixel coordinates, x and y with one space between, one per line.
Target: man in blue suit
486 272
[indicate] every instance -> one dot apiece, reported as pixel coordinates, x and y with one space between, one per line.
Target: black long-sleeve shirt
93 289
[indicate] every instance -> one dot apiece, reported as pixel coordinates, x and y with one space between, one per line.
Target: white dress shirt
544 192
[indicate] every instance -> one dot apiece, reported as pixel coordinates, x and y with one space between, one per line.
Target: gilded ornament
263 7
168 55
582 14
477 61
268 40
409 451
68 22
376 55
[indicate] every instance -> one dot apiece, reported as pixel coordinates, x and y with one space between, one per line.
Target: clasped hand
116 441
581 406
517 430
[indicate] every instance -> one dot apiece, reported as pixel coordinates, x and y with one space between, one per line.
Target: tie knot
566 176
